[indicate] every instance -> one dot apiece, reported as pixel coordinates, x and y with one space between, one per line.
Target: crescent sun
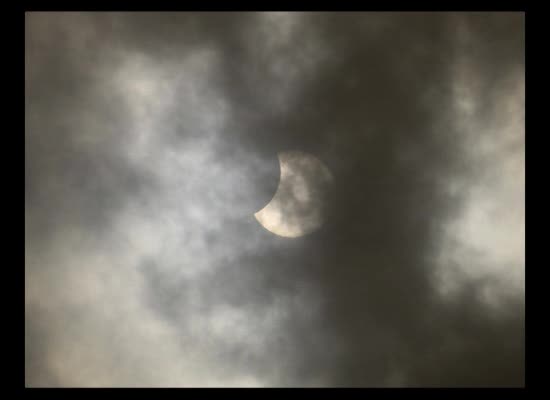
296 209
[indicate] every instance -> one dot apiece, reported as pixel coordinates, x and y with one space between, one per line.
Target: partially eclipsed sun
296 208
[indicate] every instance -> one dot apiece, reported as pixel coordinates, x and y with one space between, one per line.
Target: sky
151 139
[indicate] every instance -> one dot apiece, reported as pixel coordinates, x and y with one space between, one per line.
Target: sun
296 208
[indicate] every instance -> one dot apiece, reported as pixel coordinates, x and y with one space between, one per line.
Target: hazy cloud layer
152 139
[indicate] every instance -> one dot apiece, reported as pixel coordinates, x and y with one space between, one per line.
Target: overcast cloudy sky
152 139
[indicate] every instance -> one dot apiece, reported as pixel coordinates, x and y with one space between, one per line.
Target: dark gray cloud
152 138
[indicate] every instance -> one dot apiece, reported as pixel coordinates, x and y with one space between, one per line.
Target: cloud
152 139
